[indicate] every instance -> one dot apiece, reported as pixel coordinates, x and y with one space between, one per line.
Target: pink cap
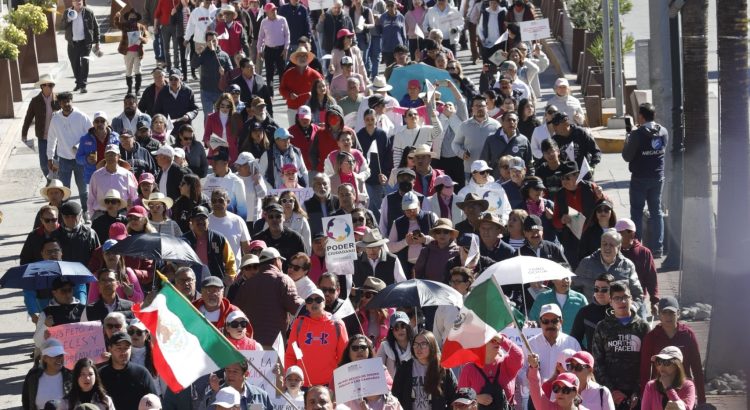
343 33
582 357
146 177
362 230
288 168
414 84
304 112
625 224
269 7
567 380
138 211
257 244
118 231
445 180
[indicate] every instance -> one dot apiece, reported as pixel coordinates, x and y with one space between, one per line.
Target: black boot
137 85
129 82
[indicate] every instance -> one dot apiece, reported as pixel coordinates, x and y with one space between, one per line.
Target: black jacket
31 386
315 211
183 104
127 386
548 250
174 176
98 311
216 244
90 27
403 385
78 244
147 101
139 158
260 89
585 323
584 146
182 208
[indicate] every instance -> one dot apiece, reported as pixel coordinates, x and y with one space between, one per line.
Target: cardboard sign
265 361
359 379
340 244
302 194
320 4
80 340
535 30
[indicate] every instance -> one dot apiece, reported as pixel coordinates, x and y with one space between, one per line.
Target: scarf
445 206
535 207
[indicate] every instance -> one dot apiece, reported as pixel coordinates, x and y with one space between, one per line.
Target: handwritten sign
535 30
265 361
320 4
80 340
340 244
302 194
359 379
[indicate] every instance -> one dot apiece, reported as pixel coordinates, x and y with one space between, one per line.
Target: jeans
69 168
274 64
648 191
208 100
376 192
375 50
158 49
42 147
78 54
363 42
169 35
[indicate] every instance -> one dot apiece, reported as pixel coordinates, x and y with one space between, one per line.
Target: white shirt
66 132
233 185
163 181
78 30
234 229
540 134
493 29
548 353
197 25
50 388
254 193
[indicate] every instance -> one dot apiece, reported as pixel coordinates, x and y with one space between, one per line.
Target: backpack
499 401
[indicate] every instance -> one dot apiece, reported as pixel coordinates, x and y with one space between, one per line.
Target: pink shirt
509 366
122 180
652 399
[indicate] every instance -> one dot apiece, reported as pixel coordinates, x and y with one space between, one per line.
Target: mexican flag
484 314
186 346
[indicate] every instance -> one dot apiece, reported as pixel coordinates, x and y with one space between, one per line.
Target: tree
698 226
731 276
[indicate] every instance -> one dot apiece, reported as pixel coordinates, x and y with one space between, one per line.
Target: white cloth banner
359 379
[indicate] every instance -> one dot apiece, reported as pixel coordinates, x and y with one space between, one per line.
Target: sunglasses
135 332
663 362
317 300
273 216
603 210
576 367
296 268
557 389
550 321
368 295
286 200
358 220
484 173
134 218
358 348
113 326
49 220
442 232
238 324
112 201
328 290
399 326
604 289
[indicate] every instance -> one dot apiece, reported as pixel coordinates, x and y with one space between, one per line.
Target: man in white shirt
256 187
228 224
65 131
447 19
200 19
224 178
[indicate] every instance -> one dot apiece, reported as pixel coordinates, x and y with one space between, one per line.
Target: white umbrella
523 269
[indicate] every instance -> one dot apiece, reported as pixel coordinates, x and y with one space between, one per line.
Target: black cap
120 337
255 125
533 182
568 167
221 155
212 281
318 235
199 211
603 202
558 118
465 240
465 396
430 44
60 282
669 303
70 208
374 100
274 208
144 122
175 72
532 222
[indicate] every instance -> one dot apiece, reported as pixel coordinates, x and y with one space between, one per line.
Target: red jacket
245 344
213 126
303 142
224 310
685 339
431 188
645 268
292 81
164 11
323 341
233 44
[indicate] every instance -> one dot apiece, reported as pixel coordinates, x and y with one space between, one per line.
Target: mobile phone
628 124
416 232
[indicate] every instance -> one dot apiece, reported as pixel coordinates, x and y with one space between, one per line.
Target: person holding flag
235 376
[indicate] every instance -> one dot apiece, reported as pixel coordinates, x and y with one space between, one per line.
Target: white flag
170 124
418 31
585 169
297 351
430 89
216 142
570 152
346 310
473 250
278 346
223 36
502 38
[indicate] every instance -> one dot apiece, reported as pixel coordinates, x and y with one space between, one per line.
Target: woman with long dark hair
421 382
128 286
603 217
87 387
527 120
320 100
360 347
396 348
191 196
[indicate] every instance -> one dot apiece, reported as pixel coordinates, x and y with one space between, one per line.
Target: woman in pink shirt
565 388
670 383
502 362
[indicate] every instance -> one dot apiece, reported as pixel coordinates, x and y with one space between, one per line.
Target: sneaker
83 90
78 87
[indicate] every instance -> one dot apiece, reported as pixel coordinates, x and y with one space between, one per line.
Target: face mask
334 120
405 186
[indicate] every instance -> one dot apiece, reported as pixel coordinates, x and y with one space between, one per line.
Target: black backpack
499 401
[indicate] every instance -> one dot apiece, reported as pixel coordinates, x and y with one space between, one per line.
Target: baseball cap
532 222
669 303
281 133
516 163
257 243
118 231
409 201
567 379
294 370
406 171
414 84
563 357
550 308
199 211
346 60
316 291
120 337
144 122
175 72
100 114
52 347
344 33
179 153
399 317
479 166
288 168
70 208
562 82
228 396
582 357
234 88
304 111
108 244
559 118
668 353
256 101
625 224
164 150
465 396
270 254
274 208
445 180
212 281
112 148
464 240
146 177
138 210
269 6
150 402
244 158
236 314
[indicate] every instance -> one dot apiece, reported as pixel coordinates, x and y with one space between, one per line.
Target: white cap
562 82
101 114
563 357
112 148
52 347
179 153
516 163
165 150
346 60
479 166
294 370
409 201
149 402
625 224
550 308
227 397
316 291
234 315
137 324
244 158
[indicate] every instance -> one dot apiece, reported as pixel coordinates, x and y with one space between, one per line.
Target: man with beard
322 203
552 341
128 119
472 134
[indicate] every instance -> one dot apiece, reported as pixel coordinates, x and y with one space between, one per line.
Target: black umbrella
416 292
157 247
40 275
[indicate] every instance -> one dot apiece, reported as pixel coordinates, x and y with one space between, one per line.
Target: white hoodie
494 194
200 20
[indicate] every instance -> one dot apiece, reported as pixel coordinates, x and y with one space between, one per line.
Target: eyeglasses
550 321
312 300
663 362
399 326
134 218
286 201
112 201
273 216
604 289
621 299
113 326
358 348
421 345
368 295
328 290
135 332
238 324
576 367
48 220
358 220
296 268
557 389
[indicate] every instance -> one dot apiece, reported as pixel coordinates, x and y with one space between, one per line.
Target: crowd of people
488 180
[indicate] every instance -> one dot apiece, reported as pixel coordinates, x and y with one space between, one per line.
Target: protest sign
359 379
320 4
535 30
134 38
515 337
302 194
452 20
265 361
340 244
80 340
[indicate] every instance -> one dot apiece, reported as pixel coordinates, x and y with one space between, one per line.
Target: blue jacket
573 304
393 29
87 145
298 20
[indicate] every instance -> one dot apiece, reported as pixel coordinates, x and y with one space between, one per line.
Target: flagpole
510 312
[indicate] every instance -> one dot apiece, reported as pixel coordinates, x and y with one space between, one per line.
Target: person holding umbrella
49 381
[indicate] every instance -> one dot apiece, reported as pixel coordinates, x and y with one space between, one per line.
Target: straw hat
372 239
159 197
45 79
55 184
301 50
380 84
444 224
113 194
